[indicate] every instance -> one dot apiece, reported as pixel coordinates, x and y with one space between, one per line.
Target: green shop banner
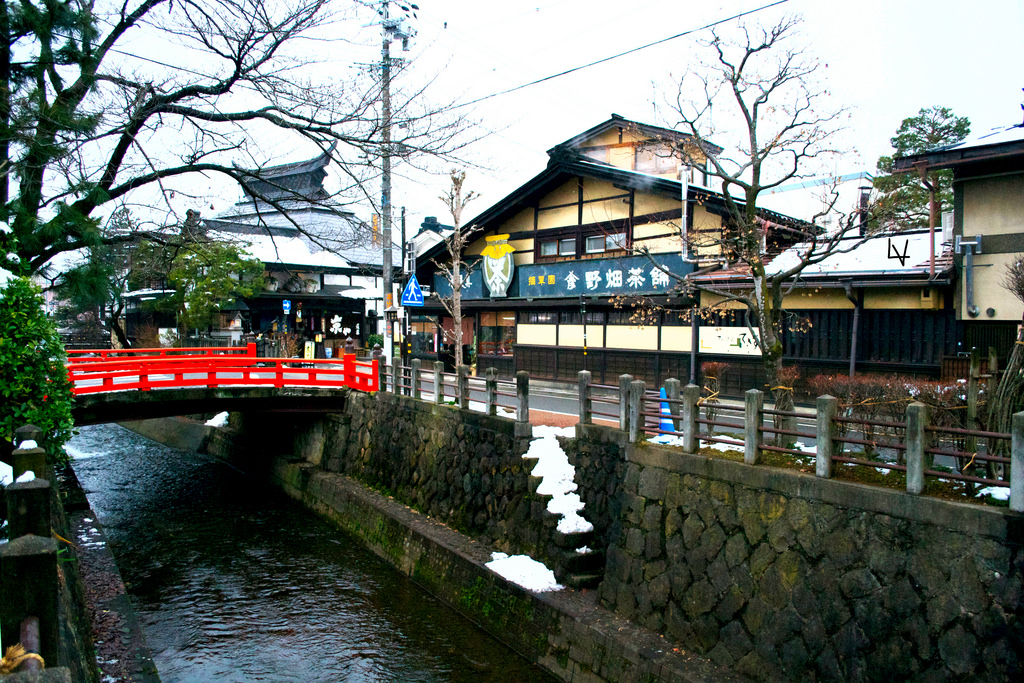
597 277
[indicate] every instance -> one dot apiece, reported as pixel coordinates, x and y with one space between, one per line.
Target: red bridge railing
108 370
76 356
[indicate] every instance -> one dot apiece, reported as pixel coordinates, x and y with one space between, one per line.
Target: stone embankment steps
583 570
572 568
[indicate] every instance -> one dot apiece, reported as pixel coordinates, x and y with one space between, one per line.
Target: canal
232 581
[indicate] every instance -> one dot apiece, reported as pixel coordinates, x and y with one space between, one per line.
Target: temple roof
300 179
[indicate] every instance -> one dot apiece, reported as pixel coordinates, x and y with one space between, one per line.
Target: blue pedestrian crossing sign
413 295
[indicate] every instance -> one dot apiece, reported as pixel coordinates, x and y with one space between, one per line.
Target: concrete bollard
689 426
491 390
27 432
28 508
917 420
1017 463
29 588
586 402
637 398
624 382
462 386
523 396
753 404
29 460
828 408
438 382
396 376
414 377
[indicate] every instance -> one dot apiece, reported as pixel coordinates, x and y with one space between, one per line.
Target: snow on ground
673 440
556 474
6 474
523 571
554 469
218 420
91 537
479 407
997 492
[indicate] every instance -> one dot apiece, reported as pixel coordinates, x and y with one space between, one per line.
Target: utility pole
385 194
393 29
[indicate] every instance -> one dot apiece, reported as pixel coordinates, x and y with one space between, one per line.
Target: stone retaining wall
600 468
463 468
781 575
564 632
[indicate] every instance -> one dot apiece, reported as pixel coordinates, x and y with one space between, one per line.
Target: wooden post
917 420
462 386
637 398
1017 463
828 408
491 392
691 409
586 403
753 401
624 382
991 384
414 377
348 369
973 381
438 382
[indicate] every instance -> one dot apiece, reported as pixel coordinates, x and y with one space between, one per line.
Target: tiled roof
876 259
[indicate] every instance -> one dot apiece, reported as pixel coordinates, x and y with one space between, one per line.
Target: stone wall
563 632
463 468
784 576
597 456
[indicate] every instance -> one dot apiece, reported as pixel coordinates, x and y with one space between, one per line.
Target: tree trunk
457 311
770 329
115 327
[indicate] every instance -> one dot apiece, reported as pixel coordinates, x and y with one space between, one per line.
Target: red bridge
109 383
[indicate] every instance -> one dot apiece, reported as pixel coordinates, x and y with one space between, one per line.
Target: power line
620 54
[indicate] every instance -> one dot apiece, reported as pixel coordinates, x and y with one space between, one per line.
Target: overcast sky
882 59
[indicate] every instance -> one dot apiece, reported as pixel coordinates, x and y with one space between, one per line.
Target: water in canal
234 582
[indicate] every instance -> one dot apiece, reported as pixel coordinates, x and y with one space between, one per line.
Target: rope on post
15 656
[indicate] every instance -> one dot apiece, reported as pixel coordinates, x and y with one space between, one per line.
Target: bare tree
138 101
1009 394
456 271
768 85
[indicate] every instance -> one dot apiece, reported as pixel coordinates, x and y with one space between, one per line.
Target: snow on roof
902 253
279 249
996 136
359 293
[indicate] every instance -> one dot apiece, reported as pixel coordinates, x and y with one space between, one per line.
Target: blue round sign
286 304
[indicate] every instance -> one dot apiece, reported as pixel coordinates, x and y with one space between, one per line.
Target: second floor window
600 243
561 247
